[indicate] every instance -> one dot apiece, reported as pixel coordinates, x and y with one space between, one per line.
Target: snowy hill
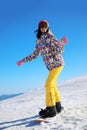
4 97
17 113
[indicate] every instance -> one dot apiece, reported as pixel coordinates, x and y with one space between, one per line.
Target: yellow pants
52 92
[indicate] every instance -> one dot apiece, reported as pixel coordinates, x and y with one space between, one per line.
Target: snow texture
19 112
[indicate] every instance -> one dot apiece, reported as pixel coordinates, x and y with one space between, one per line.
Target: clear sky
19 20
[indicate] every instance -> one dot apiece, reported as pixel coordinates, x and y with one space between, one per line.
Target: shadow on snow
26 121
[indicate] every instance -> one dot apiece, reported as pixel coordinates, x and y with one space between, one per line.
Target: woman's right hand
19 63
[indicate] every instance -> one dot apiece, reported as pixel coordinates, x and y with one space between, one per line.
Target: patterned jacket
47 46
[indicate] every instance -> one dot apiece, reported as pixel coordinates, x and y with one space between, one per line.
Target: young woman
51 51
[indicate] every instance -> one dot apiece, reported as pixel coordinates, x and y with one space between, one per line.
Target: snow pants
52 92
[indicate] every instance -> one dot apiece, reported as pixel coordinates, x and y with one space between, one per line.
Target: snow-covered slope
17 113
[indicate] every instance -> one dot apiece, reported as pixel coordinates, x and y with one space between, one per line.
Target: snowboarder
51 51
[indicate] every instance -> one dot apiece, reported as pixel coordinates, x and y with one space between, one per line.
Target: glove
64 40
19 63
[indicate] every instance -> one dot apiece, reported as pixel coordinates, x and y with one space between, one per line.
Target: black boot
48 112
59 107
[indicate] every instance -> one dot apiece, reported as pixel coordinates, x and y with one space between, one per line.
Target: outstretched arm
29 57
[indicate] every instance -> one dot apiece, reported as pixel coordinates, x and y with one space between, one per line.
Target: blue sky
19 20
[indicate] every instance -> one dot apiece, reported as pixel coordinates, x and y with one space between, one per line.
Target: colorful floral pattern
47 46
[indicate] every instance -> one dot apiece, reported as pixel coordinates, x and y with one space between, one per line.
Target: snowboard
43 119
40 120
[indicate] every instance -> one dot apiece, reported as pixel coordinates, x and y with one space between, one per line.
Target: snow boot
59 108
48 112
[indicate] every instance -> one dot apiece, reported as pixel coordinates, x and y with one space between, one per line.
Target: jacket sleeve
57 45
33 56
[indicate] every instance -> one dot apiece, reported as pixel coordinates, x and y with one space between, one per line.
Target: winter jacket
47 46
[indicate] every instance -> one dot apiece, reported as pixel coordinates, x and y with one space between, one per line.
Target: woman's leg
52 93
57 94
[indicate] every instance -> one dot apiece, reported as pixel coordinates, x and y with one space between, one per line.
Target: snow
19 112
